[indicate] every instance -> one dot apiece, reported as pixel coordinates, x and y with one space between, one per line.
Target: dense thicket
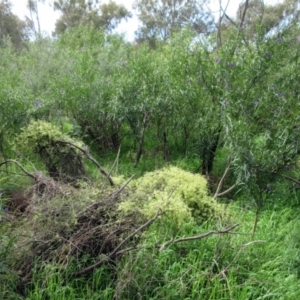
184 98
228 107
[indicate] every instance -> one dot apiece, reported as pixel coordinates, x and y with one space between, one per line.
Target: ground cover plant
169 172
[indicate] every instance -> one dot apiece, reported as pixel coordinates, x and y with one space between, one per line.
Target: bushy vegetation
211 133
180 195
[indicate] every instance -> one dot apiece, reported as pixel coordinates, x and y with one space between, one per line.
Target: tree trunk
209 153
141 141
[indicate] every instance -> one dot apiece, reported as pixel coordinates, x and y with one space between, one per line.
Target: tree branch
244 15
290 178
20 166
197 237
226 192
91 158
111 197
114 252
222 180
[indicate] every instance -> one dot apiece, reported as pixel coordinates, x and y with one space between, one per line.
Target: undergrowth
229 266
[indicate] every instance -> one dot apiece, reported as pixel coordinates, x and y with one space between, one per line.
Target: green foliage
55 286
160 19
184 104
220 267
181 196
263 18
12 29
89 13
39 134
8 278
62 160
13 105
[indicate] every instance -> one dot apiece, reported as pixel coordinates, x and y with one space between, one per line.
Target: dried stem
114 252
197 237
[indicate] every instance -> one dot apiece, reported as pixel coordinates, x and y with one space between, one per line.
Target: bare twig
116 193
91 158
222 13
115 251
111 197
228 18
197 237
116 161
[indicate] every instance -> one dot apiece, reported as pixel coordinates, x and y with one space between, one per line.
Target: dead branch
116 193
110 198
116 161
229 19
117 250
114 252
222 13
244 15
197 237
20 166
222 180
227 191
91 158
163 246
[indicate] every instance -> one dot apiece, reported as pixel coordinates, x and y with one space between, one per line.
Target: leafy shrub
181 195
63 160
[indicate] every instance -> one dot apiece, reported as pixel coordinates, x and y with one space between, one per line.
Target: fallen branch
114 252
91 158
20 166
197 237
117 250
116 193
111 197
163 246
290 178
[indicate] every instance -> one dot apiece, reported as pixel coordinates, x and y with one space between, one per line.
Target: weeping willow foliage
181 195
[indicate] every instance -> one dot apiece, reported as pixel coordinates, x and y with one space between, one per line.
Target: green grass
231 266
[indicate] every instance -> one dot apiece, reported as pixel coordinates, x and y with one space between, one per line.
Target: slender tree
32 6
163 17
11 26
266 18
76 12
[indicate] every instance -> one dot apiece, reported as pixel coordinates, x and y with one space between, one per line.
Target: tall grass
232 266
